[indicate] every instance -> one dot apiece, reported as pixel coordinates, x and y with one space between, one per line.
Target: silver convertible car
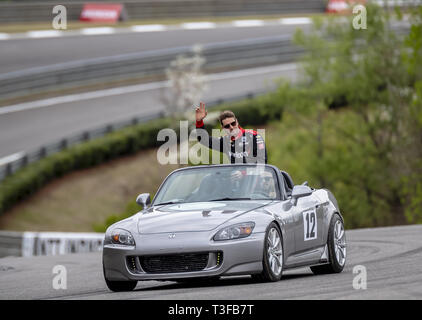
222 220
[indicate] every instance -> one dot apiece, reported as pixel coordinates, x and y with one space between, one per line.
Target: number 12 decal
309 225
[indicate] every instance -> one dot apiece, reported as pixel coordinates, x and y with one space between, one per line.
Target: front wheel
272 260
119 286
336 247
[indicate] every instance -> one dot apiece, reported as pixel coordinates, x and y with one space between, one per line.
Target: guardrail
234 55
24 11
43 151
28 244
231 54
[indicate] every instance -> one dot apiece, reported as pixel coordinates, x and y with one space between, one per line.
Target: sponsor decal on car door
309 223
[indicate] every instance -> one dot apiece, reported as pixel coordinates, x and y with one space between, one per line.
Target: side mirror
300 191
143 200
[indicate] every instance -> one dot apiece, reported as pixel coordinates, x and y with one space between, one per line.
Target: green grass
82 200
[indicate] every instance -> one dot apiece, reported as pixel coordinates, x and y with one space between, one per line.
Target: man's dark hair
226 114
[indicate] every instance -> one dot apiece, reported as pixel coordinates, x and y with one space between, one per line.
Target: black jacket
247 147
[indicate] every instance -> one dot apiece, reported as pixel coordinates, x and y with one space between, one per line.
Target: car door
308 223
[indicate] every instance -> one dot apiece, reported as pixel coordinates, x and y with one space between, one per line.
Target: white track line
148 28
248 23
43 33
4 36
82 96
288 21
198 25
97 31
137 88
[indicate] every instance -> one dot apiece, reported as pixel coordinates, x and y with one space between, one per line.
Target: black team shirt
247 147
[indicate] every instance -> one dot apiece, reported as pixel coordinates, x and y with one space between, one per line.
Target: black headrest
288 179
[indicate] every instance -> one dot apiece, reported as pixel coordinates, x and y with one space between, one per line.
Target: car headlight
237 231
120 236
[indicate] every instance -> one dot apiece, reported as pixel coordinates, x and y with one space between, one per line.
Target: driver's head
229 123
266 182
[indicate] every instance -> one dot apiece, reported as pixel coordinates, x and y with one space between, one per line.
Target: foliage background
353 125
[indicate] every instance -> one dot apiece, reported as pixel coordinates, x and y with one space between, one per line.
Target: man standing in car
240 145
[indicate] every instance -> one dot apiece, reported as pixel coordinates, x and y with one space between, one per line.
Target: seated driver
265 186
214 187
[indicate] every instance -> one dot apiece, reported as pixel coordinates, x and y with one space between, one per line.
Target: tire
336 244
272 260
119 286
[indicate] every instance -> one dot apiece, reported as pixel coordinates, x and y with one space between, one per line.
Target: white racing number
309 225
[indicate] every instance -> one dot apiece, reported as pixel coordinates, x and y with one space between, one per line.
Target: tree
187 83
372 74
412 146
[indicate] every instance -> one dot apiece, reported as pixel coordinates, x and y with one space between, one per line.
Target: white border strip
82 96
4 36
198 25
293 21
248 23
136 88
148 28
97 31
44 33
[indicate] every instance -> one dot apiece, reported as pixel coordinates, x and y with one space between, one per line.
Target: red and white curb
203 25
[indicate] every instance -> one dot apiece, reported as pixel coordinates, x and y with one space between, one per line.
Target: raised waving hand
201 112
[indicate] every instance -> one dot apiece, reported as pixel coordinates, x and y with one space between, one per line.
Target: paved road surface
31 128
392 257
29 53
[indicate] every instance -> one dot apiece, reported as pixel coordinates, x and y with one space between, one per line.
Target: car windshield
219 184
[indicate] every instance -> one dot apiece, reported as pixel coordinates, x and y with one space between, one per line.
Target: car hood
195 216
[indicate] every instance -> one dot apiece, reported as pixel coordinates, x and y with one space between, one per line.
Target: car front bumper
240 256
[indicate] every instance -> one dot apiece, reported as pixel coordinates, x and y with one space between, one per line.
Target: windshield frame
280 192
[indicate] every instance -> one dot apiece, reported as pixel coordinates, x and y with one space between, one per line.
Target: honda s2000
222 220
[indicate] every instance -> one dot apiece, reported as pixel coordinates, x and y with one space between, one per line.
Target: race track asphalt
32 128
391 256
23 54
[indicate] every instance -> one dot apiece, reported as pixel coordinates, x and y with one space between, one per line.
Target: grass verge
81 200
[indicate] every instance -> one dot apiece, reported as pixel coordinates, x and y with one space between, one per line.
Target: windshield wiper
226 199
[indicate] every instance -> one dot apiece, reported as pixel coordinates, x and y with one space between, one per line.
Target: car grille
172 263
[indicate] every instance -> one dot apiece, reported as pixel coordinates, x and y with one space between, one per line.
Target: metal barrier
24 11
234 54
231 54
